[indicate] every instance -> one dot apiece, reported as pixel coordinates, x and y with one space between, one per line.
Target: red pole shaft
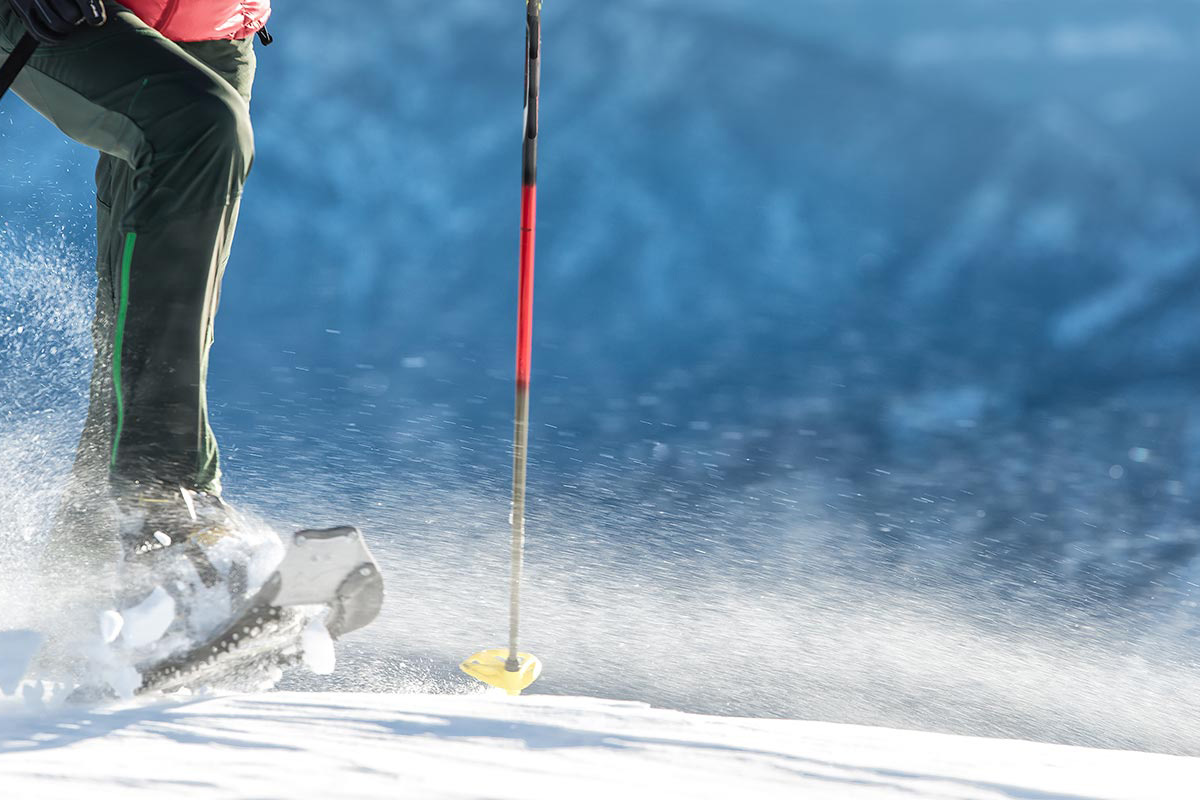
525 289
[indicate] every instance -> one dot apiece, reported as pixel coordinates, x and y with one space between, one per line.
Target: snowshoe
190 563
326 586
204 598
220 604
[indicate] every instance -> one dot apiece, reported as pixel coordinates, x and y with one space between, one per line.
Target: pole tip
493 667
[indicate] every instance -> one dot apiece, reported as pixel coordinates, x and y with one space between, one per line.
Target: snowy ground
298 745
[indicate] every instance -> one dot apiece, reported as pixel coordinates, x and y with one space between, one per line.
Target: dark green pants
172 124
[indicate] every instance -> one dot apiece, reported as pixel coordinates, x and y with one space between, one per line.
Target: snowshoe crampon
324 571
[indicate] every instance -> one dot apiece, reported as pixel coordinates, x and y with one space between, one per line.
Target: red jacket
201 20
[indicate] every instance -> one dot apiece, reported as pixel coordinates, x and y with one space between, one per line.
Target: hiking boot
193 548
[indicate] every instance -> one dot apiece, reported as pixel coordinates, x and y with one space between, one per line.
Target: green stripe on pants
119 341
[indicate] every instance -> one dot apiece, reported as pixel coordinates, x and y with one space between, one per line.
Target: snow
111 624
317 646
333 745
17 648
146 622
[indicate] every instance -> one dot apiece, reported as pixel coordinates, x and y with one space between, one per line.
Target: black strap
265 37
16 61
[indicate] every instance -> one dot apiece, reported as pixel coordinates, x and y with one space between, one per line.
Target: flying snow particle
318 648
111 623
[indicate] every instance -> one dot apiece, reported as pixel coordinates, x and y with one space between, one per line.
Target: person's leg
234 62
178 146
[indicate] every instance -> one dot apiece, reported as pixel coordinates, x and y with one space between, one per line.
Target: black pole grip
16 61
533 89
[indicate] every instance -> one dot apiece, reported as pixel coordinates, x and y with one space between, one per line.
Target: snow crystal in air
111 623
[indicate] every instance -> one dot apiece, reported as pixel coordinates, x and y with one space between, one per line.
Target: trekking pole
510 669
16 61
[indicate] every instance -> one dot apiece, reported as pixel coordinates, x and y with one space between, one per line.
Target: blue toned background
866 345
